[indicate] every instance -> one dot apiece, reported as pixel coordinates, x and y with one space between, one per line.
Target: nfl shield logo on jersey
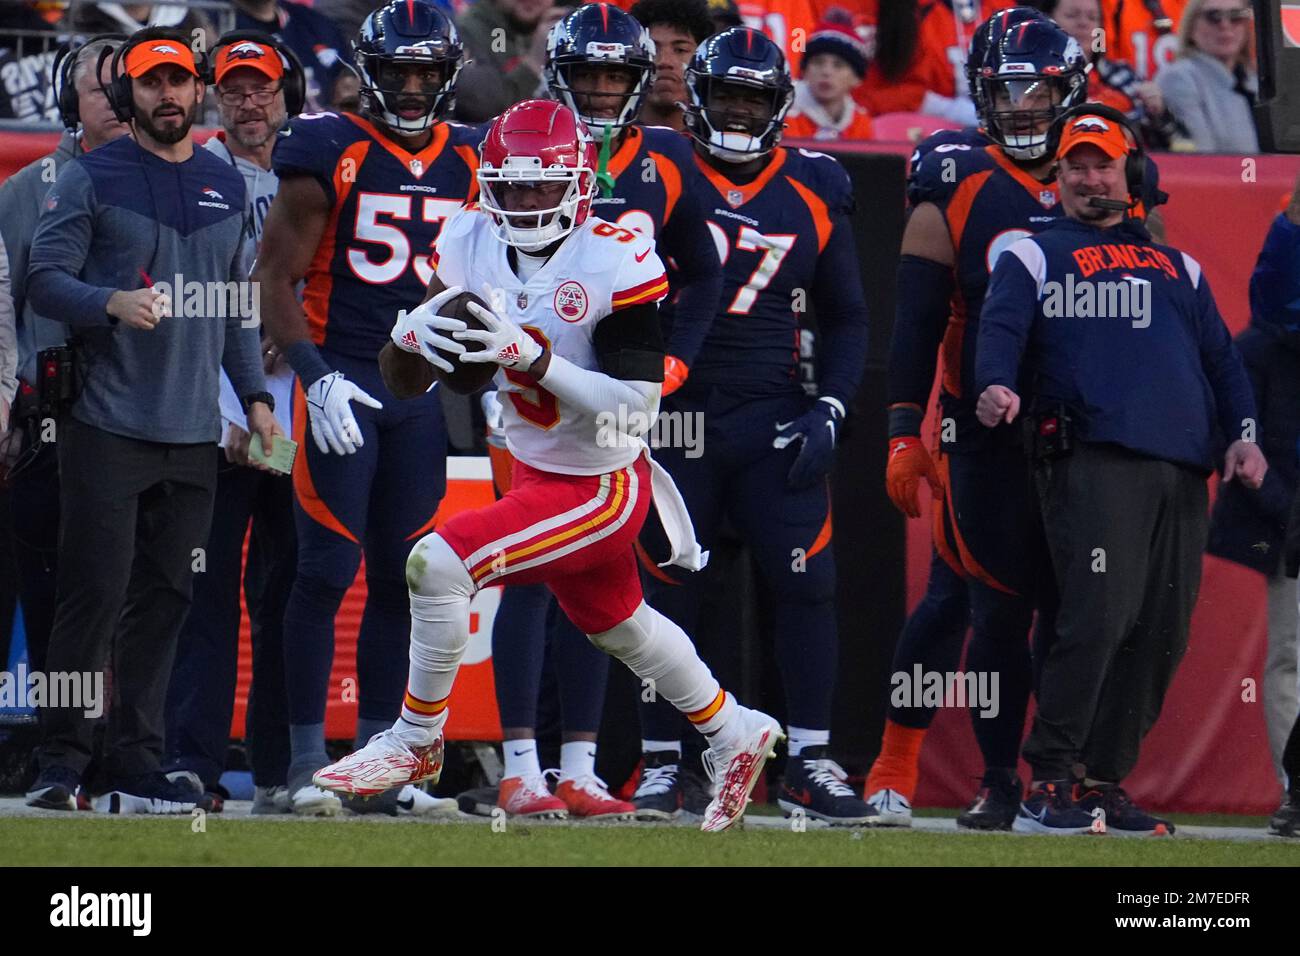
522 301
1047 198
417 167
735 197
571 301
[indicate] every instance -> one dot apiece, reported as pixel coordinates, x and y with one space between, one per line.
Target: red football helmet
531 143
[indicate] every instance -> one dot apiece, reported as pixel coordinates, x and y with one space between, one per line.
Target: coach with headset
135 446
1129 377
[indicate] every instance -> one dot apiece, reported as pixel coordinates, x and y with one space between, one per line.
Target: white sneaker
735 768
385 763
413 801
270 800
312 801
891 809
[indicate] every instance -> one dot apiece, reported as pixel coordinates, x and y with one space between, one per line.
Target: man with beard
135 445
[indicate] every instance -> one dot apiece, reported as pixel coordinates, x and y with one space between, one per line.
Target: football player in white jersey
573 326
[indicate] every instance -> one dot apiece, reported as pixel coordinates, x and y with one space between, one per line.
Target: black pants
201 697
1291 758
1126 533
34 500
135 514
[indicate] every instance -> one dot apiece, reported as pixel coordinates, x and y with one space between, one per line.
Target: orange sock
898 765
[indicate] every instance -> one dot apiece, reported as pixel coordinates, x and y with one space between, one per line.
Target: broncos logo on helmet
1032 74
407 32
600 34
728 68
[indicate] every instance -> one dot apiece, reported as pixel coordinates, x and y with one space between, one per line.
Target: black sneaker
1120 815
697 790
996 805
1286 821
814 785
1050 809
55 789
384 803
659 791
146 793
210 801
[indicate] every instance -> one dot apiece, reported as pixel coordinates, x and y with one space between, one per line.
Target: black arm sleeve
687 240
630 344
921 317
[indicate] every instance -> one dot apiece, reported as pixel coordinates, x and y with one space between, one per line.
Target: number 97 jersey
598 269
785 244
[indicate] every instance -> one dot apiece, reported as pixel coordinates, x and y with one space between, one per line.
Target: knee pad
434 570
647 642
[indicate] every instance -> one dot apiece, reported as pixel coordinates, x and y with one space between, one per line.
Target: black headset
295 78
62 75
121 97
1135 163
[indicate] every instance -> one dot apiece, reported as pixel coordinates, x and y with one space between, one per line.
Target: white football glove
420 330
332 423
504 343
494 416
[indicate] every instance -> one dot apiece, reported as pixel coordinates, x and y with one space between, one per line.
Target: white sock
440 592
659 746
801 737
657 650
578 759
521 758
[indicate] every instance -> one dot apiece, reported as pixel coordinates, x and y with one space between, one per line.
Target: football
467 378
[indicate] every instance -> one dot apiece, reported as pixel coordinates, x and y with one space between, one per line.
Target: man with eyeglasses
250 74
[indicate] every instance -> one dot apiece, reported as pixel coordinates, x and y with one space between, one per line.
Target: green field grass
97 842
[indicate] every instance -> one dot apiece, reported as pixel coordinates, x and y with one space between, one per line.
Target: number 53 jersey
598 269
387 206
786 246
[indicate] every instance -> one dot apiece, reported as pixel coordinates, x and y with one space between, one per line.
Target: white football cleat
891 809
312 801
734 769
414 802
385 763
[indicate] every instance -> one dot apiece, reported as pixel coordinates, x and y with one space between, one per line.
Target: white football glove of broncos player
332 423
420 330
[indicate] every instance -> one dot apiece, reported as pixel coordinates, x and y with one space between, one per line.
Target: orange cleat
588 798
529 796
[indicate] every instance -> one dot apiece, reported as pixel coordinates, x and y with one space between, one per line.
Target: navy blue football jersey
653 171
972 137
943 140
387 208
657 191
785 243
988 203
